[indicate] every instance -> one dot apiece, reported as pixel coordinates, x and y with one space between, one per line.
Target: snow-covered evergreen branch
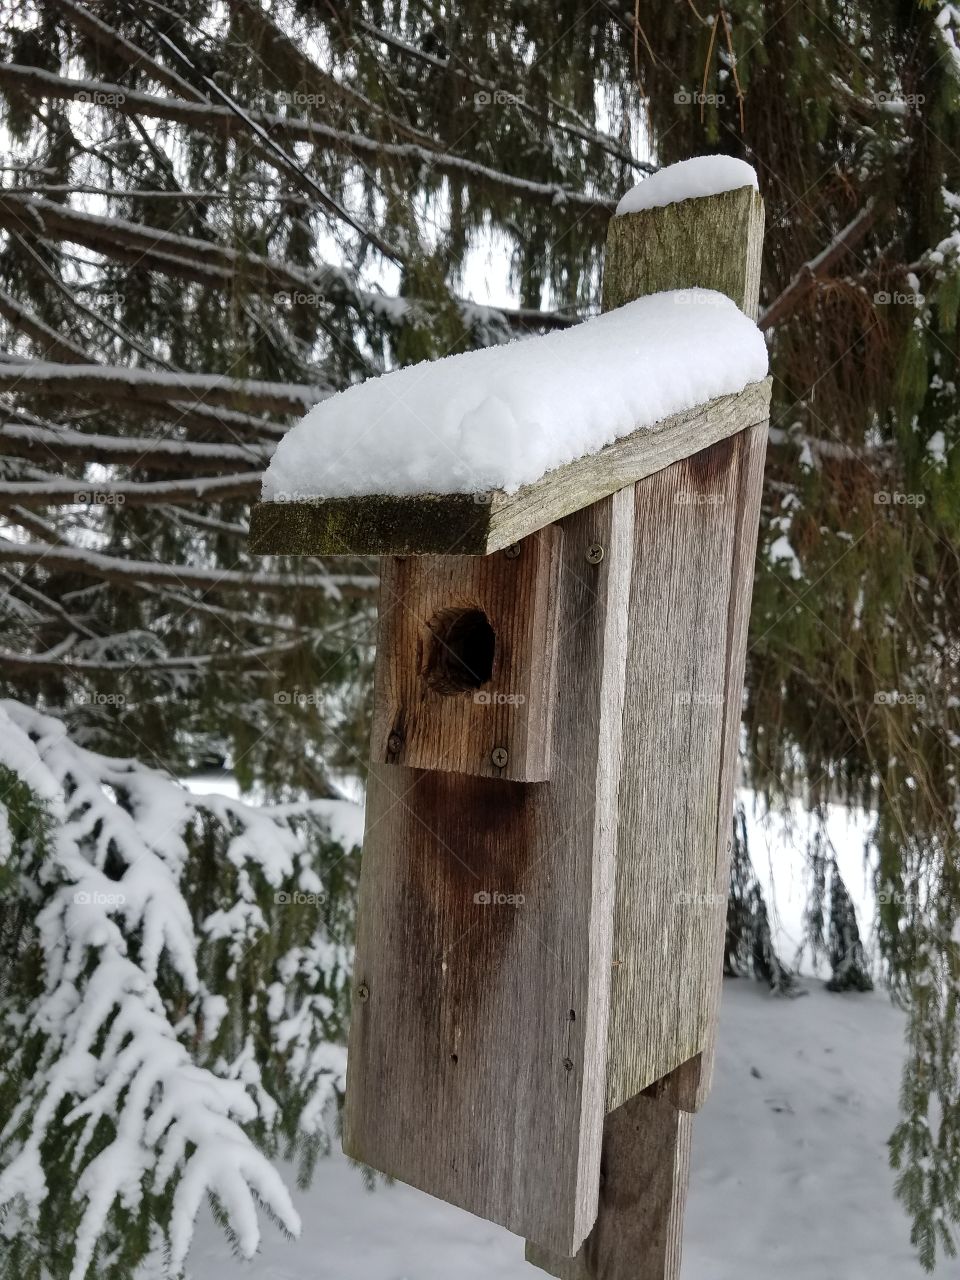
161 928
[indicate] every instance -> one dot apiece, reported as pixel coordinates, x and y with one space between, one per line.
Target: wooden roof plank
478 524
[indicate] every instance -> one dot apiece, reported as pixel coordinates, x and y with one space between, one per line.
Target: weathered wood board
477 524
466 671
482 975
669 902
709 243
753 448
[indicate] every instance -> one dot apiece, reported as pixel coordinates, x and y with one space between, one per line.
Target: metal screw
594 553
394 743
499 757
363 992
513 551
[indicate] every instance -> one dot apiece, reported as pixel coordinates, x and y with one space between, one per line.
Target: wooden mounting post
695 531
644 1172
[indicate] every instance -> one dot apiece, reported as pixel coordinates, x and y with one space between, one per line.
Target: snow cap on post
696 224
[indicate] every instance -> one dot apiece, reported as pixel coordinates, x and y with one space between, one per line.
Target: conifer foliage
170 1009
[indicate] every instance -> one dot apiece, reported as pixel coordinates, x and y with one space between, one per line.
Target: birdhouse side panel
668 903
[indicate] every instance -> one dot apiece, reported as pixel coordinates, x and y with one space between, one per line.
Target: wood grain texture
667 902
477 524
645 1171
712 242
479 1033
753 447
419 719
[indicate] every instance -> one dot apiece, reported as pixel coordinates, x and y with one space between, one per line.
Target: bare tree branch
71 493
824 262
65 445
216 266
42 663
122 383
292 129
132 573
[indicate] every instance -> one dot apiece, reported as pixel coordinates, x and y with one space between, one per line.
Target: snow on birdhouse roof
701 176
503 417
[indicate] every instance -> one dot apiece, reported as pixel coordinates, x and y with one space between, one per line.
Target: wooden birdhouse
557 700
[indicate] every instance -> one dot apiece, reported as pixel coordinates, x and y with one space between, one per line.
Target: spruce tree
749 948
172 977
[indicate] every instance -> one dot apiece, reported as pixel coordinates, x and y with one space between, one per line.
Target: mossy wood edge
478 524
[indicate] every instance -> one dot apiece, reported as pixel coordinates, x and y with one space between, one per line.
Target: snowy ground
790 1175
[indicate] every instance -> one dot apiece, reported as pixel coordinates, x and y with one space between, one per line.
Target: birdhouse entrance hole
459 651
465 661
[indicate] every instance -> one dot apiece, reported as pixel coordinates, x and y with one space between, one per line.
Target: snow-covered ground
790 1175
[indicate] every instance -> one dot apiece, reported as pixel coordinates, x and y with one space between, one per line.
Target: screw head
394 743
363 992
499 756
513 551
594 553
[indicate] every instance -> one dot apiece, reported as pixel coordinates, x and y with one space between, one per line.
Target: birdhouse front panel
479 1029
466 660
